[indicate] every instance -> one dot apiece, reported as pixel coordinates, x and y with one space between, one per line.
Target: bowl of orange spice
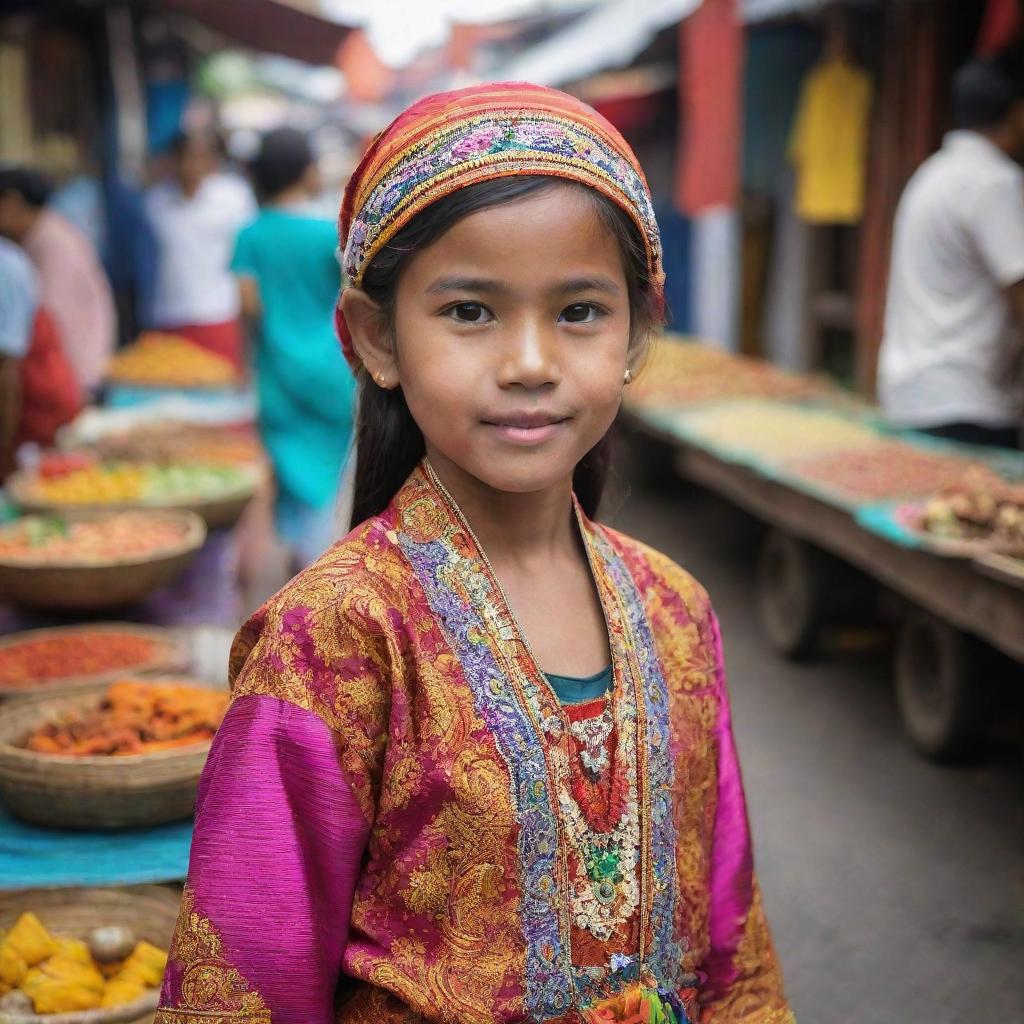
125 756
64 659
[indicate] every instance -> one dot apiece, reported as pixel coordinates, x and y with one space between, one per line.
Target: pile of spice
54 540
168 441
888 471
95 482
774 432
76 653
978 507
681 372
168 360
134 717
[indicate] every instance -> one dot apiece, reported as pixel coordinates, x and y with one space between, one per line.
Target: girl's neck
513 529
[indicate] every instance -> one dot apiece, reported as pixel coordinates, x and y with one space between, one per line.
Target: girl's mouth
527 428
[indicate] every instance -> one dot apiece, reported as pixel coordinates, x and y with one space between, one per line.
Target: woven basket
170 656
81 586
220 511
93 792
150 911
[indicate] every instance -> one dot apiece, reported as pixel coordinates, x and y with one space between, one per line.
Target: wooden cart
950 603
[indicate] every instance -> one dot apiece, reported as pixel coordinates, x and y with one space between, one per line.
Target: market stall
119 598
940 525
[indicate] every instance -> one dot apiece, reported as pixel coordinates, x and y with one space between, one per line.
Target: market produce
43 973
72 654
680 372
888 470
773 431
92 483
169 360
129 483
54 540
29 941
169 441
134 717
977 507
59 463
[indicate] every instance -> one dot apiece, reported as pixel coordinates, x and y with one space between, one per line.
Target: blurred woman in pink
73 285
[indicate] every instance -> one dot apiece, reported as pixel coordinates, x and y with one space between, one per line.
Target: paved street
895 887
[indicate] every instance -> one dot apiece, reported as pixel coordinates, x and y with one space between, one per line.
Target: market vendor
951 357
196 214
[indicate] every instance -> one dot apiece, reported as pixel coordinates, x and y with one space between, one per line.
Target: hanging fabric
710 87
829 144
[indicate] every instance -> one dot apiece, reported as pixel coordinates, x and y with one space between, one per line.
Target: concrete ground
895 887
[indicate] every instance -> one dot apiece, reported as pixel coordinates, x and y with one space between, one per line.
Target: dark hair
984 91
33 186
389 444
284 157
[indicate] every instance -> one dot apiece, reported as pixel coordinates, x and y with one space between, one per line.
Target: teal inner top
576 689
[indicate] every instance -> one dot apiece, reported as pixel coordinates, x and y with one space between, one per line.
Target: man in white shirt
951 357
196 216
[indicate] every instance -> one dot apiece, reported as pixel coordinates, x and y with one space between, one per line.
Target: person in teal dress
286 265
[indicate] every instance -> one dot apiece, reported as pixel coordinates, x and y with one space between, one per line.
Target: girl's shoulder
659 580
347 599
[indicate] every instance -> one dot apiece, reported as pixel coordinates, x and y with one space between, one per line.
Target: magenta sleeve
278 842
743 978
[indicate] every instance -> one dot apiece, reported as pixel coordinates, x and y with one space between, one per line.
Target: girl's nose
530 356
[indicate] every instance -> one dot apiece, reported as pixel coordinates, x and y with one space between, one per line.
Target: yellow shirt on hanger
829 144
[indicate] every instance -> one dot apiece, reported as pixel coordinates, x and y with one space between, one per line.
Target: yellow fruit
119 991
12 966
148 954
75 949
146 965
52 995
63 968
29 938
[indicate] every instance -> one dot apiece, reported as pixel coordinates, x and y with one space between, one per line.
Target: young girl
479 764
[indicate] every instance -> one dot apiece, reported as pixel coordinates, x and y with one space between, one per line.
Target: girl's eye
469 313
580 313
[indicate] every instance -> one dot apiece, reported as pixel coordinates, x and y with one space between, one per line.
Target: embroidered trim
211 989
495 144
666 953
456 587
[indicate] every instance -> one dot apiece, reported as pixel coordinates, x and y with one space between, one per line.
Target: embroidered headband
450 140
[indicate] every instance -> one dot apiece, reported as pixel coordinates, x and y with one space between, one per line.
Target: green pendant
602 865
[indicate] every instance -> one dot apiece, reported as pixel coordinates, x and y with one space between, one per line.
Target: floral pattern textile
436 756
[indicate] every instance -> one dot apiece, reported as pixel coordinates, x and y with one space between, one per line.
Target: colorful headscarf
450 140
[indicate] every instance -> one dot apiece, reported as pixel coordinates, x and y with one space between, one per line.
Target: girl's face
512 337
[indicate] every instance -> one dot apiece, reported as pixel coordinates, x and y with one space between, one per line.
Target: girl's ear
371 338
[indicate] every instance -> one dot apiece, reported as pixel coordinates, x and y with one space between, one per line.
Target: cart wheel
945 707
791 595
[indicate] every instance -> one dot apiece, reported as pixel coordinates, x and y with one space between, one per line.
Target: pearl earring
627 377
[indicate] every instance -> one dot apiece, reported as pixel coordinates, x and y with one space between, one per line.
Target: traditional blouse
397 821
